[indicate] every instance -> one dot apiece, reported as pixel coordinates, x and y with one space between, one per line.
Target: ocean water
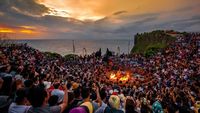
65 46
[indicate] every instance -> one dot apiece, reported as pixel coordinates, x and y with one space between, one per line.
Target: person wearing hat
75 85
114 105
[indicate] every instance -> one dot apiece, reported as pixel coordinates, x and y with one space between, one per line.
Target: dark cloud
15 13
137 26
14 18
131 23
187 8
55 12
27 7
146 22
119 12
182 24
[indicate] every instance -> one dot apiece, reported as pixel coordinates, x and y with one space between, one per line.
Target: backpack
80 109
89 106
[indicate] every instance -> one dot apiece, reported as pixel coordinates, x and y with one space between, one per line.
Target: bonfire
113 76
119 77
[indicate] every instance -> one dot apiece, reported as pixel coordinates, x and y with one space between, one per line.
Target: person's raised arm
96 89
65 99
98 96
191 98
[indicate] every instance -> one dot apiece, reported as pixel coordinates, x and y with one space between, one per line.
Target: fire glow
119 77
124 78
113 76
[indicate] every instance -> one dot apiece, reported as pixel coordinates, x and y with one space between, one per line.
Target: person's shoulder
55 109
94 103
57 91
104 104
12 104
120 111
100 110
117 111
107 109
54 91
26 108
45 109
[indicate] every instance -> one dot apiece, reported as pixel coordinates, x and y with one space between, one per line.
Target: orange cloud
28 27
97 9
26 30
6 30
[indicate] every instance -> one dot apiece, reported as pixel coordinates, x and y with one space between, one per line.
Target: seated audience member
5 93
86 100
157 107
114 105
77 96
20 103
71 103
1 83
28 83
130 105
58 92
103 96
88 105
6 86
53 100
38 97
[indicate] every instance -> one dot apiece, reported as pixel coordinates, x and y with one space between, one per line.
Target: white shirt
58 93
14 108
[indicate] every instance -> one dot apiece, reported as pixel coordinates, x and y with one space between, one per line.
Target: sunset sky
95 19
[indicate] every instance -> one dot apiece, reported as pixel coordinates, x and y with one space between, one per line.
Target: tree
108 52
151 39
98 53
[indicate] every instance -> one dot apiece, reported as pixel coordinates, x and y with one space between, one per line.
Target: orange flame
113 76
124 78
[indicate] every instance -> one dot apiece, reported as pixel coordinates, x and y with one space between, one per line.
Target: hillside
148 43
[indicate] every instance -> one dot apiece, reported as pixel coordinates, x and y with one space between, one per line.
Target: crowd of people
167 82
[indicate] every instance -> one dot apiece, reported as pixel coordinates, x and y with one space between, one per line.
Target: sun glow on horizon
6 30
20 30
80 12
26 31
98 9
88 19
28 27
